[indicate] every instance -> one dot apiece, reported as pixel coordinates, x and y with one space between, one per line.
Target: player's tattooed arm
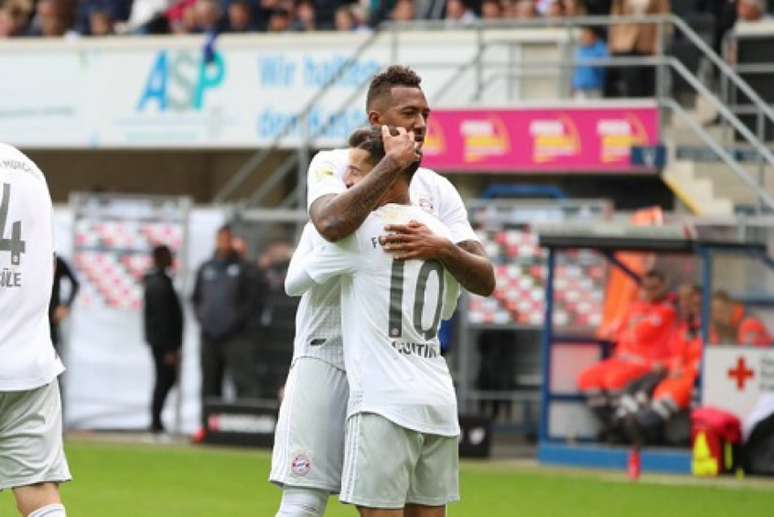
338 216
466 261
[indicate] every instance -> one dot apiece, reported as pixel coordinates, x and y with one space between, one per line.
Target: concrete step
698 194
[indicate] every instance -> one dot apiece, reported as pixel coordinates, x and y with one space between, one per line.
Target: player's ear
374 118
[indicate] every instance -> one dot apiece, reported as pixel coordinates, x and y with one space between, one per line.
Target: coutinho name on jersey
426 350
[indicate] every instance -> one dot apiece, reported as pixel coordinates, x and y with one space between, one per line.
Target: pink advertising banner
539 140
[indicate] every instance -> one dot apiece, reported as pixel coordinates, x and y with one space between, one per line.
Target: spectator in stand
100 23
730 324
634 40
458 13
574 8
14 18
240 16
344 20
305 18
182 17
53 18
163 319
554 9
750 11
491 10
102 14
589 81
521 10
404 11
280 20
209 16
642 347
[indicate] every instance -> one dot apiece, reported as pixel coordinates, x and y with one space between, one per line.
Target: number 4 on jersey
15 245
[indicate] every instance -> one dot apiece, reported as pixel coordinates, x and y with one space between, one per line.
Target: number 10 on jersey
15 245
396 298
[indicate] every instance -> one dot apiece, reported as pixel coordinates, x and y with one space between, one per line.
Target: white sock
303 502
51 510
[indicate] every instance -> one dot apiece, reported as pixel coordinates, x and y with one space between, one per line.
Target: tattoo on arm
471 267
338 216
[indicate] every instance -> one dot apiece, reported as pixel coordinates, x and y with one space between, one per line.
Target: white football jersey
391 311
429 191
27 358
318 318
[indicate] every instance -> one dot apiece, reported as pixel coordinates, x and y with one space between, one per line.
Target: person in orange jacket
642 416
642 348
730 324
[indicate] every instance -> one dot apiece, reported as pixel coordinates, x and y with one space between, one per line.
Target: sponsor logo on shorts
301 465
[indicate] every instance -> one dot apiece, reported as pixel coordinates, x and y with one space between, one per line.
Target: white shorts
388 466
309 439
31 449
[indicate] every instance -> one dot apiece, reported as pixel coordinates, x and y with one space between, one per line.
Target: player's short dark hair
372 143
226 228
359 136
161 254
384 82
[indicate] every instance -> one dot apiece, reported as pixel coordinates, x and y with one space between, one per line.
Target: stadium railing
490 38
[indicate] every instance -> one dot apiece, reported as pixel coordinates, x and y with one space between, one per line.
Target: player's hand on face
402 147
413 241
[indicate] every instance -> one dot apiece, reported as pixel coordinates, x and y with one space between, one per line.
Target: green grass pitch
169 481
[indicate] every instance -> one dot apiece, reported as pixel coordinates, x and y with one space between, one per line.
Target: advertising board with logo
240 91
530 140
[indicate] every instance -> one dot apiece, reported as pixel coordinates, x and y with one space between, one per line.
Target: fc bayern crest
301 465
426 204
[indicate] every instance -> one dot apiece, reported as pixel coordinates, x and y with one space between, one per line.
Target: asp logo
179 81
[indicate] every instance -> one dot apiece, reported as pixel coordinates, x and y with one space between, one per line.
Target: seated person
641 415
642 347
730 324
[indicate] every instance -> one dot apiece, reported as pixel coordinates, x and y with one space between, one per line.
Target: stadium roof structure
613 237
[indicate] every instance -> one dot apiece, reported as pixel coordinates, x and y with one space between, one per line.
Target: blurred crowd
57 18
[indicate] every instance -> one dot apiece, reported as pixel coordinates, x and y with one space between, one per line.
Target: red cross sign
741 374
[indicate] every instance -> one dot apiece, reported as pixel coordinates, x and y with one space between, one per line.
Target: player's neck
398 194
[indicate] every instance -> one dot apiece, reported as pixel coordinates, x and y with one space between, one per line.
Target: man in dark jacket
59 309
163 330
223 299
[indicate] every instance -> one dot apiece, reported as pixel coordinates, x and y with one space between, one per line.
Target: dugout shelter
566 427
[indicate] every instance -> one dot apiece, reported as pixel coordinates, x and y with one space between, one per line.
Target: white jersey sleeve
326 174
436 195
297 281
452 212
318 317
27 358
333 259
